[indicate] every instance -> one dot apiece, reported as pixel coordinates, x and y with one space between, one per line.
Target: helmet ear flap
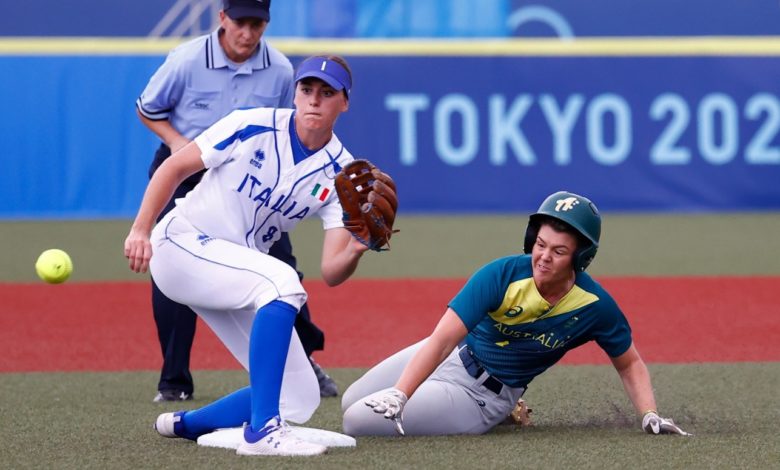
584 257
531 231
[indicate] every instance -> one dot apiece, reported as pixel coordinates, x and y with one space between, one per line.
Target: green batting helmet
578 212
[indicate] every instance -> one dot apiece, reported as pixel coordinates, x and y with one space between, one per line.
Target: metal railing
188 18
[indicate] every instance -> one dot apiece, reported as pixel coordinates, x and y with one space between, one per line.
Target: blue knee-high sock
230 411
268 344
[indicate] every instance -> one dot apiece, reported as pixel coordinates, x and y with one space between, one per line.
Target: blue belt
475 369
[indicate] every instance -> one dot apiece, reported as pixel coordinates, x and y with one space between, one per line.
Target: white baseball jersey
254 190
210 250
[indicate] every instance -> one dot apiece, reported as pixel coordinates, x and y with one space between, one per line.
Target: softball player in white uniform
268 169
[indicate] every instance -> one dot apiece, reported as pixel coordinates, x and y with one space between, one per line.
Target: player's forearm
636 379
636 382
340 267
448 333
164 182
159 191
640 391
165 131
421 366
340 256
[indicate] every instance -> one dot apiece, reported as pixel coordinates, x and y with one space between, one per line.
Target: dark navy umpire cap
237 9
327 70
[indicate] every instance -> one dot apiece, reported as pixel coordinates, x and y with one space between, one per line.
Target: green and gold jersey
516 334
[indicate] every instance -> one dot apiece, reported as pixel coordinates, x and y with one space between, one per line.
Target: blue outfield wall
459 134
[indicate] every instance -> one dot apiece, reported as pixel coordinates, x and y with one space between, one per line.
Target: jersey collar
333 148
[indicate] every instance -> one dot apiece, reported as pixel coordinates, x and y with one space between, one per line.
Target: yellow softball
54 266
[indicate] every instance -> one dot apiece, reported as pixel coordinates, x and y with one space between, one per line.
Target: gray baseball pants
450 401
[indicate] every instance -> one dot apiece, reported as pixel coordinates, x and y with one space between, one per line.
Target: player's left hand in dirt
654 424
369 201
391 405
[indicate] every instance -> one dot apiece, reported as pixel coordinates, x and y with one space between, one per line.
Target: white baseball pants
225 284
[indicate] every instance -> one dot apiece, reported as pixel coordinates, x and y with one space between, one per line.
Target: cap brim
330 80
236 13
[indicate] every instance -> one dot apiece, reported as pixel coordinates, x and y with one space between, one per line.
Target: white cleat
164 425
169 425
276 438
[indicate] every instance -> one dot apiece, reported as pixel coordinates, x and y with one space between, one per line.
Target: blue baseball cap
329 71
237 9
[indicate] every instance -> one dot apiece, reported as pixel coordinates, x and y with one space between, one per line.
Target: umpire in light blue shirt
200 82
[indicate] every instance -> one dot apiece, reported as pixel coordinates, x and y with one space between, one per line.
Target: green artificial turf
582 420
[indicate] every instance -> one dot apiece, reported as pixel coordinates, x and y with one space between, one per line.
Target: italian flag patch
320 192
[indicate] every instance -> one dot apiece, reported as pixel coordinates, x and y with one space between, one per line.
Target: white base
230 438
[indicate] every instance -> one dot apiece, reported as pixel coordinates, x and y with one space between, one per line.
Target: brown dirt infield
109 327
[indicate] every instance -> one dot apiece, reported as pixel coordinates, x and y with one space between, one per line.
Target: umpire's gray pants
450 401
